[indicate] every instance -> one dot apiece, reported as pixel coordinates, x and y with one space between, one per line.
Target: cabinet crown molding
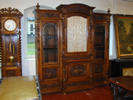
75 8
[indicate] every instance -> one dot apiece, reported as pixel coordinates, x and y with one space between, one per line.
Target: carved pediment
10 11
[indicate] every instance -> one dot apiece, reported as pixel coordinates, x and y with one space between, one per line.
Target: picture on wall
124 35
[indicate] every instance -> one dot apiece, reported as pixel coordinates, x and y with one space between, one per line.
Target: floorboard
101 93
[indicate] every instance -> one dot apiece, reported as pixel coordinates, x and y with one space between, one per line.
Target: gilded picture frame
124 35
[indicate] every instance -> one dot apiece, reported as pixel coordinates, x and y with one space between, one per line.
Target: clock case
10 43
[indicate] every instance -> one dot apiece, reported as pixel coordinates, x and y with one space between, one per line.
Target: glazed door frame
50 73
77 65
88 34
100 65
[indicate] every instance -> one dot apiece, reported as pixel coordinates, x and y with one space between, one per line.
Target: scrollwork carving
10 11
50 73
77 70
49 15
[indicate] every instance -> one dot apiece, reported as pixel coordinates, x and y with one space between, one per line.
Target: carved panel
79 83
99 79
75 8
98 68
77 70
76 73
10 11
54 85
10 73
49 15
49 73
101 17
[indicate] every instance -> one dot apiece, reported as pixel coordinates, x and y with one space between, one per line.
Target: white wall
28 62
116 6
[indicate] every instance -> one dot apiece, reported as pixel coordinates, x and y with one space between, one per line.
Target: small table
122 87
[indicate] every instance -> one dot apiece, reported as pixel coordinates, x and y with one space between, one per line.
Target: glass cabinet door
99 41
77 34
50 42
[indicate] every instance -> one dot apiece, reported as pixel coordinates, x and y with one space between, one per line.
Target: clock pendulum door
11 57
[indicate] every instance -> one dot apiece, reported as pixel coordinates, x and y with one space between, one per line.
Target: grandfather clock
10 39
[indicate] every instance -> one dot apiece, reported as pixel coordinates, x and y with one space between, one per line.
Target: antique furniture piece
20 88
10 41
71 48
122 87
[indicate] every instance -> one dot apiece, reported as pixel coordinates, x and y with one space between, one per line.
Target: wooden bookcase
101 48
71 48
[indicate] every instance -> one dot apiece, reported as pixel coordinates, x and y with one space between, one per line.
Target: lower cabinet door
98 74
11 71
51 81
76 76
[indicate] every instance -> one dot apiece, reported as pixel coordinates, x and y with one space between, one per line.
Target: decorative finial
37 6
108 11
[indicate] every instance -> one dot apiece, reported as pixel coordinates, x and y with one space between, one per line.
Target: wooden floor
101 93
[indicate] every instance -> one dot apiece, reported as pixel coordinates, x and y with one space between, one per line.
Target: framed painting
124 35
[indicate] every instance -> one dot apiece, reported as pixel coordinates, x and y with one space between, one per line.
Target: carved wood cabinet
100 37
71 48
10 40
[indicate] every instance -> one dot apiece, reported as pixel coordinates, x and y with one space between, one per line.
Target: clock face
10 25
